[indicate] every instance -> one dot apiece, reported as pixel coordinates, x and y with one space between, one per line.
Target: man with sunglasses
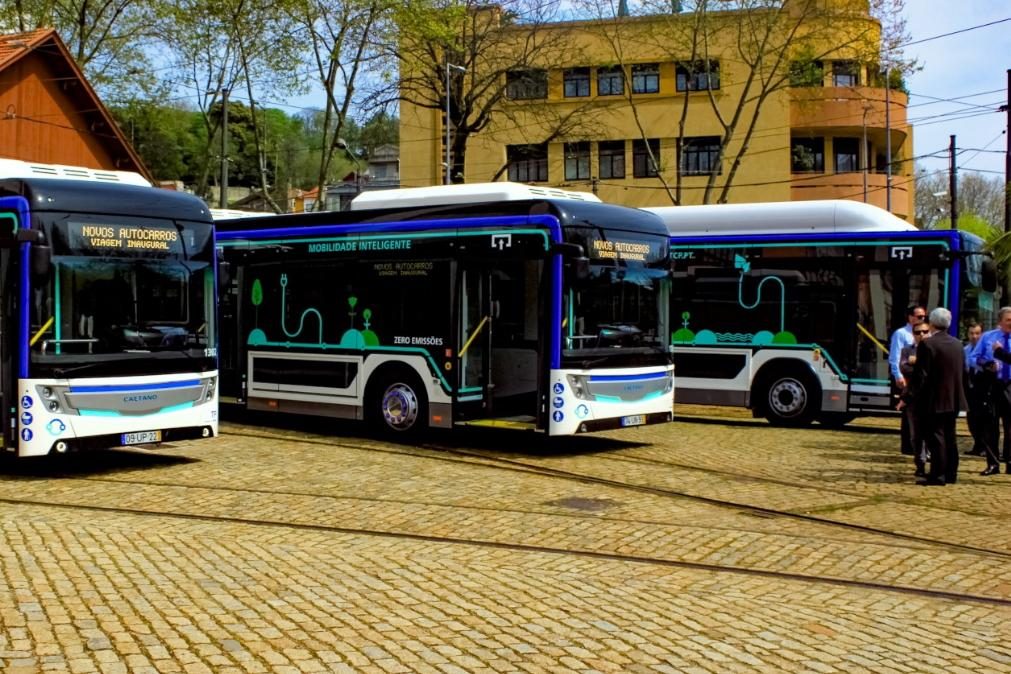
902 338
907 405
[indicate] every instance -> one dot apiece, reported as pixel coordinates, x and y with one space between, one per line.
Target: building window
577 161
642 165
611 155
847 155
528 163
807 155
807 73
646 78
526 84
698 75
577 82
610 81
700 156
845 74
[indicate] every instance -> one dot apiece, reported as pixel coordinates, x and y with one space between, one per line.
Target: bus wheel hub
787 397
400 407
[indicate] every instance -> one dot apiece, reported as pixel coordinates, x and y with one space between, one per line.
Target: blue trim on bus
556 313
24 299
948 236
125 388
629 377
21 207
550 222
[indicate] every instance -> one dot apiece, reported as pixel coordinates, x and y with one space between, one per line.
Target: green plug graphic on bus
708 337
351 339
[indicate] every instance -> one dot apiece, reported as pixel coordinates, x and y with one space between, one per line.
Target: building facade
678 109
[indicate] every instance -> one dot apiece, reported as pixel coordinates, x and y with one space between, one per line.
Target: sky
970 66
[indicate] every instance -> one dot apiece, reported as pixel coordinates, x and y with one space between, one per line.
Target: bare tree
340 35
979 197
493 51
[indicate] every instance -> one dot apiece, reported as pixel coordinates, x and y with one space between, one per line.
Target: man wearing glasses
901 338
907 405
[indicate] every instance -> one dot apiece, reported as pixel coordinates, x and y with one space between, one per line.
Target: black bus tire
789 397
835 419
396 403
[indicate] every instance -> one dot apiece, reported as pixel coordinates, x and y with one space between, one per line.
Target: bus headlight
53 405
669 384
578 384
211 385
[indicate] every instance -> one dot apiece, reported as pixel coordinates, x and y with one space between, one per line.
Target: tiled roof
13 46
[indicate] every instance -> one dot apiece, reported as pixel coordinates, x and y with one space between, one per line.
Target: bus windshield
106 304
616 308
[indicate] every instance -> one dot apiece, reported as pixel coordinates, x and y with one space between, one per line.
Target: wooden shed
48 111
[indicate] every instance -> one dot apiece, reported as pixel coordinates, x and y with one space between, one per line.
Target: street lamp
343 145
460 69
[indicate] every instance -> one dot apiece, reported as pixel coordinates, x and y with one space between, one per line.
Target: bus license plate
633 420
140 438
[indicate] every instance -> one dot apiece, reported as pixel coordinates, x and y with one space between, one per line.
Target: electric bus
494 304
788 308
108 334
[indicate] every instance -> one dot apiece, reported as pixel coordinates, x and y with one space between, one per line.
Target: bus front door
474 328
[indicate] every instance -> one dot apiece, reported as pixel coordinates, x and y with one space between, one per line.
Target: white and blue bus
788 308
497 305
108 333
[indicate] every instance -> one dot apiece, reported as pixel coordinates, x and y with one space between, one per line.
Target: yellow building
671 108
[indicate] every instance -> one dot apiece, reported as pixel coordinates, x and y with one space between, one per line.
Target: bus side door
474 328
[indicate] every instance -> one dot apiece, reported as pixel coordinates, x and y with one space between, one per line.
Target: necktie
1005 369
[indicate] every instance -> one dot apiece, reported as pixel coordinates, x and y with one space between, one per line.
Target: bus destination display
124 238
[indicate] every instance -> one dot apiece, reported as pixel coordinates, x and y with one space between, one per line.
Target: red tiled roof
13 47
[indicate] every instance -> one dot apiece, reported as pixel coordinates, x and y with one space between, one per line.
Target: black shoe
931 482
908 453
974 452
1008 469
991 470
920 473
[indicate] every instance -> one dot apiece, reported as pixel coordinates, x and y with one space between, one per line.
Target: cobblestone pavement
713 544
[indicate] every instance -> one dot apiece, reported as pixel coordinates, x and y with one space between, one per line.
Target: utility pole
449 68
223 199
888 135
953 184
1007 159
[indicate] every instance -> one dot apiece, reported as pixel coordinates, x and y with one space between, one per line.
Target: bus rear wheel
398 405
790 398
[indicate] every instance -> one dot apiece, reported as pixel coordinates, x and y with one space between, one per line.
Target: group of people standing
936 377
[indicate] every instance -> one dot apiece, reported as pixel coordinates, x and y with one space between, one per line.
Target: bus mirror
988 274
567 250
580 268
29 236
42 262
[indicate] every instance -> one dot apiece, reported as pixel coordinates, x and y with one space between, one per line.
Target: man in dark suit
939 396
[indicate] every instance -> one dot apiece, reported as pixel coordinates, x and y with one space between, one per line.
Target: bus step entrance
521 422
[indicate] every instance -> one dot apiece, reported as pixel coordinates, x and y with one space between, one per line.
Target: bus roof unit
15 168
461 194
782 217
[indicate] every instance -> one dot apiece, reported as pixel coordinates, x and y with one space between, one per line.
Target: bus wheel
399 405
791 399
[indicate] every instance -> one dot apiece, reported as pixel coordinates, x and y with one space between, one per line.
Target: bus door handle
474 335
